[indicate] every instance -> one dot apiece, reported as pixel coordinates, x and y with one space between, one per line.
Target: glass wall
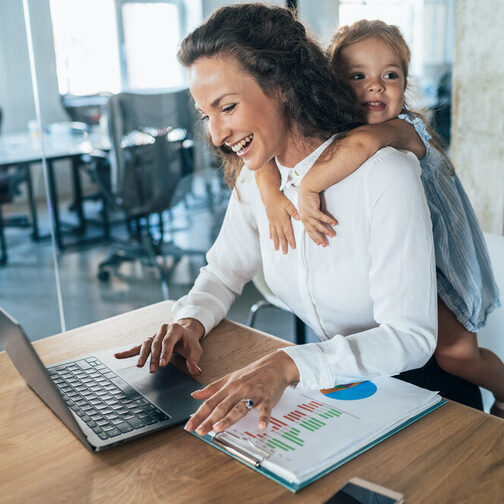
109 196
28 288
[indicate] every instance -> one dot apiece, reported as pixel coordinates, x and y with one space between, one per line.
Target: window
85 43
114 45
151 40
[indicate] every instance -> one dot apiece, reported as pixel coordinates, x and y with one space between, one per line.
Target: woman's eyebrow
216 102
221 97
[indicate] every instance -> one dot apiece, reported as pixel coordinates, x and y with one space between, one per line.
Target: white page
310 431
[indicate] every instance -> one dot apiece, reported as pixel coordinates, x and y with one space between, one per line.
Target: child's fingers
289 235
317 237
274 237
323 228
323 217
292 210
284 244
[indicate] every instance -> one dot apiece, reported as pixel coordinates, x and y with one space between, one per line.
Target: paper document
310 431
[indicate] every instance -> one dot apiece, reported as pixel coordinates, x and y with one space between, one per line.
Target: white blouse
369 296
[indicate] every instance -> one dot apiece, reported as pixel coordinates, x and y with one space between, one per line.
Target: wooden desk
455 454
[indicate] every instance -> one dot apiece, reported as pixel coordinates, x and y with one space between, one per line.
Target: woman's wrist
193 325
288 366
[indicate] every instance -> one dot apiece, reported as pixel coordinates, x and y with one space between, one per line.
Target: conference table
61 142
454 454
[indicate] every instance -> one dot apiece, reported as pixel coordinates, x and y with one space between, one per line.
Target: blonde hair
392 36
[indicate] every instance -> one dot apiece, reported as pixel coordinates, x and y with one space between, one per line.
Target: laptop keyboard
102 399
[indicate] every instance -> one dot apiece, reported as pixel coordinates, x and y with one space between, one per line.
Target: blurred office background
109 196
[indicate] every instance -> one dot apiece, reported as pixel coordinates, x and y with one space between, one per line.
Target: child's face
375 73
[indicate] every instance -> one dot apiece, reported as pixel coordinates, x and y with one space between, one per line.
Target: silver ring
249 404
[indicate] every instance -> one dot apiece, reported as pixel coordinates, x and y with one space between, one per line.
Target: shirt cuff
312 364
204 317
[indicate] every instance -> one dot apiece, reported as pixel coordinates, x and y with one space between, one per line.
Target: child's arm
341 159
279 209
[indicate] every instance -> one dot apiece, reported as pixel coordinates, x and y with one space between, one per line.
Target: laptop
102 400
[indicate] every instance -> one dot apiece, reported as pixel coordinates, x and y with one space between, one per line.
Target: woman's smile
237 112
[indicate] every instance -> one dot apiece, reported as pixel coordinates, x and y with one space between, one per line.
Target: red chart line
306 407
275 420
251 435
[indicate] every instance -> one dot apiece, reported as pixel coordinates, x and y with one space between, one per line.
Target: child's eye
229 108
391 75
356 76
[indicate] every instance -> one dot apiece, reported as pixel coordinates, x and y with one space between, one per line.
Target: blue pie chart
351 391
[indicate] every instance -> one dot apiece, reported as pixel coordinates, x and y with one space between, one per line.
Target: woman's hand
182 336
316 223
263 381
279 215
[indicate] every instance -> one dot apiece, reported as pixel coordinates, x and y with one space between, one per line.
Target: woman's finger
156 345
264 414
174 333
193 358
210 389
204 411
144 351
239 410
128 353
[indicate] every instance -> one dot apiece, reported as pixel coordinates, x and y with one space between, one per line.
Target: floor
28 288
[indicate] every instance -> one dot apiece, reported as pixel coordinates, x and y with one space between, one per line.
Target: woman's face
375 73
237 112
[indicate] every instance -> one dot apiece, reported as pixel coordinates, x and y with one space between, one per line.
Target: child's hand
316 223
279 216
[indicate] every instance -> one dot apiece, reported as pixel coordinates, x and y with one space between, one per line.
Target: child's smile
375 73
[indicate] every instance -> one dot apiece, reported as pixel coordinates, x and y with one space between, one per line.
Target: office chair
11 177
271 301
145 175
85 109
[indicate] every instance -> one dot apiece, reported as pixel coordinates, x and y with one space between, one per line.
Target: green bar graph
291 438
306 425
282 445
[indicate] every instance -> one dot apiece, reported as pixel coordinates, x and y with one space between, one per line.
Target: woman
265 91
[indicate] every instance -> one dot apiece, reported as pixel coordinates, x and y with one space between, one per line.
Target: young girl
374 58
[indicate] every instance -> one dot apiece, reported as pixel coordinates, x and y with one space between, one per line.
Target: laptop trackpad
168 388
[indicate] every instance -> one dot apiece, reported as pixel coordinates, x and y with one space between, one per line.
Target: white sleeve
402 280
232 261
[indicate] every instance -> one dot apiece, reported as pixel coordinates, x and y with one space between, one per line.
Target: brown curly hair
272 45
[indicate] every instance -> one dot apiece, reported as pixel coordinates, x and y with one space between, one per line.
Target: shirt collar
294 175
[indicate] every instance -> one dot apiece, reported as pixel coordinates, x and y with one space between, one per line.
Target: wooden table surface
455 454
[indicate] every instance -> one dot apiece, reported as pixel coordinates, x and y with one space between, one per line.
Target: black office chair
85 109
144 176
271 301
11 177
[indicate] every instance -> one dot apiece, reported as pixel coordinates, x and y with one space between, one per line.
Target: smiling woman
265 91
